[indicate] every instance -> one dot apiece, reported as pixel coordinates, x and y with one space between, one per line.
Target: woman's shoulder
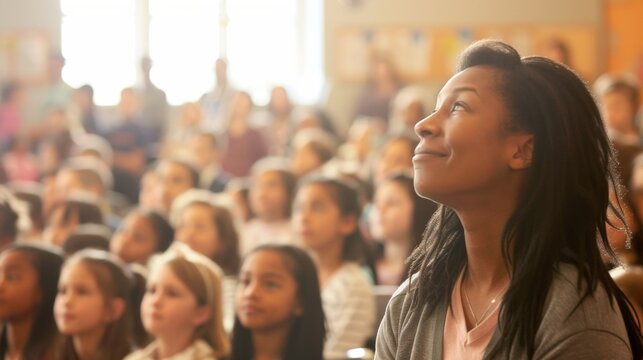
568 313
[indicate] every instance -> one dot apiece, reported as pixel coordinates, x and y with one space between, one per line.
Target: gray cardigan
593 330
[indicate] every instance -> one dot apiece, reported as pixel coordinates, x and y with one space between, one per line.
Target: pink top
9 121
459 343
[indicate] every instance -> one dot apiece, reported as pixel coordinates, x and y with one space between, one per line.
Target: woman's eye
457 106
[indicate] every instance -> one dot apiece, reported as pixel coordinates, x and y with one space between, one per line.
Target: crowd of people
232 231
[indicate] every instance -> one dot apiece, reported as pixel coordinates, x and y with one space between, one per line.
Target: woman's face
198 230
266 296
135 241
464 152
19 288
393 212
80 306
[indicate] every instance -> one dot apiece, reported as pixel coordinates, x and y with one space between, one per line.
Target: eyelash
456 104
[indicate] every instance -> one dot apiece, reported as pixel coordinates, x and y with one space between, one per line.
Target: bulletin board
430 54
24 56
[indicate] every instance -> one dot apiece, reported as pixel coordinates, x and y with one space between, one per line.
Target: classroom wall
31 15
372 13
44 15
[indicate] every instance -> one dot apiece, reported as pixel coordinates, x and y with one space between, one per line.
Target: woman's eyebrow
459 89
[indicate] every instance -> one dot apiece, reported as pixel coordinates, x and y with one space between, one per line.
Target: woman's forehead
480 80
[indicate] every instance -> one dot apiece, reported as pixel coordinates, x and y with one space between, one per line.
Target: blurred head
184 296
28 282
619 102
279 103
67 214
129 104
241 106
142 234
204 151
400 214
325 214
191 115
87 236
312 149
175 177
278 289
396 156
207 227
94 296
272 190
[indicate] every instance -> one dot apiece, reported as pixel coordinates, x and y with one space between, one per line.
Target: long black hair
43 336
307 335
561 212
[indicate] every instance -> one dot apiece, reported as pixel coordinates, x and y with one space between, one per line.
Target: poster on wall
431 53
23 57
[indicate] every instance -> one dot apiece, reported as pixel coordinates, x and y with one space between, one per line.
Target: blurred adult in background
56 93
244 144
129 144
82 110
383 84
407 109
205 154
278 123
154 107
216 103
10 112
182 131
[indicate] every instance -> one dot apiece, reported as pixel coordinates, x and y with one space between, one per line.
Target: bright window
184 44
99 46
267 43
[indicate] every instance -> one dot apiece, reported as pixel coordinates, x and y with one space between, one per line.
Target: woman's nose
428 126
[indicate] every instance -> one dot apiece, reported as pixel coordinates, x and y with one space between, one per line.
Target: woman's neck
270 344
173 343
86 345
483 231
328 259
18 332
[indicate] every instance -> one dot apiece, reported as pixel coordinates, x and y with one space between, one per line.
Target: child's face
202 152
396 157
266 296
317 220
198 230
617 111
169 307
305 160
80 306
268 196
147 197
174 180
393 212
19 288
58 229
135 241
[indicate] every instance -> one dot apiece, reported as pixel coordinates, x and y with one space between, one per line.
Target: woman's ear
116 310
522 151
202 315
